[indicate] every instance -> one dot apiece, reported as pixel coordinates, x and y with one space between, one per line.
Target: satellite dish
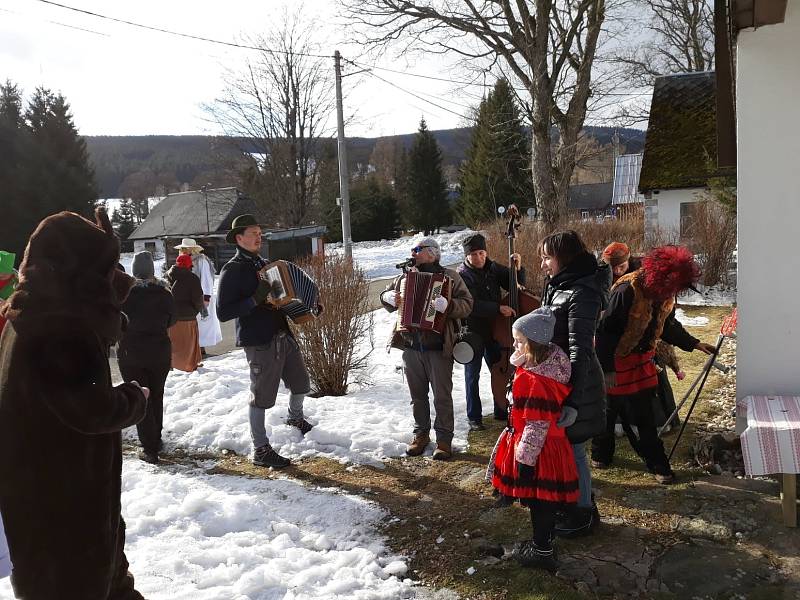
501 209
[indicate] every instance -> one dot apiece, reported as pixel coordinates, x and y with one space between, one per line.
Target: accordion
293 292
417 291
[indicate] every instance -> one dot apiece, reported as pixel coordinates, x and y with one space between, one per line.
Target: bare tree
680 40
549 46
278 107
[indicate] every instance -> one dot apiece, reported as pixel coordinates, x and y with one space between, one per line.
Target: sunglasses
418 249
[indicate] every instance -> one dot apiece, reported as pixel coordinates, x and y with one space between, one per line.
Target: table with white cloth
771 444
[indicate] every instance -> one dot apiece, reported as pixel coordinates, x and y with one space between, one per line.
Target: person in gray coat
428 356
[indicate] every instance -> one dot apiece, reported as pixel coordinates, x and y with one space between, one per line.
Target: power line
19 14
394 85
472 83
180 34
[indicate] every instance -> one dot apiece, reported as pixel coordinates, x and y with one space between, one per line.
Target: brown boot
443 451
417 447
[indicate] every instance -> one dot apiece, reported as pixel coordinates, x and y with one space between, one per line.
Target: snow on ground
193 536
378 259
686 321
207 410
126 260
709 296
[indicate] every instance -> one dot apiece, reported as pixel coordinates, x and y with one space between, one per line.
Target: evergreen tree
328 190
15 147
427 189
124 219
373 211
497 169
64 178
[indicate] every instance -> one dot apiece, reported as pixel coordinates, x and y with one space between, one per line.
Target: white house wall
768 124
139 246
663 211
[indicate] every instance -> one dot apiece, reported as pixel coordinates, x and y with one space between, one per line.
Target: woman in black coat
145 351
576 290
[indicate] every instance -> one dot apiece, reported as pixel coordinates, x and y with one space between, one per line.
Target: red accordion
416 292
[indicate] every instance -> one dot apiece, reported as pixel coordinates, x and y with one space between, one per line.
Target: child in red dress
533 459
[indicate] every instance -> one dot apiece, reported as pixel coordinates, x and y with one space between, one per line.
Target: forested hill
123 162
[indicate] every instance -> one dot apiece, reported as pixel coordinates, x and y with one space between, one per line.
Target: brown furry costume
60 418
639 317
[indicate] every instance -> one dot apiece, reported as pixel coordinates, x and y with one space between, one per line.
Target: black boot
578 522
528 554
265 456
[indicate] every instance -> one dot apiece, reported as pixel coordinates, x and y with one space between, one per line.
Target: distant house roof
184 214
681 146
627 169
590 196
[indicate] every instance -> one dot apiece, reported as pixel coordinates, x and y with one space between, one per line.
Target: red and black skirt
635 373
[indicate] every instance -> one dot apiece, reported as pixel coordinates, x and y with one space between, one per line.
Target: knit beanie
473 242
429 242
616 253
143 267
184 261
537 326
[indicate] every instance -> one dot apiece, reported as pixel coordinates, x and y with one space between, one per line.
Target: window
688 215
584 214
150 247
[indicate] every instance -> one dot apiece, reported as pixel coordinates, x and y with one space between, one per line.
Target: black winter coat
187 293
615 320
486 286
151 312
255 325
577 294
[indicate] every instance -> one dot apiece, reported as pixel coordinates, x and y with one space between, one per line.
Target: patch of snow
193 536
709 296
700 321
207 410
378 258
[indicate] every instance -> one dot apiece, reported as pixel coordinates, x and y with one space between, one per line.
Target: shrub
333 344
595 234
712 237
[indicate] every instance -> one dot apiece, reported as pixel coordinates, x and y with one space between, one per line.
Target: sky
123 80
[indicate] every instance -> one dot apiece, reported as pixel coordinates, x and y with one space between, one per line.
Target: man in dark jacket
641 310
263 332
60 417
145 351
486 281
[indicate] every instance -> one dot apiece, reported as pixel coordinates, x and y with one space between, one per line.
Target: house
206 216
680 152
760 133
590 200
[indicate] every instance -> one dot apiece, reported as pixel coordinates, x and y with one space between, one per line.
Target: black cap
473 242
239 224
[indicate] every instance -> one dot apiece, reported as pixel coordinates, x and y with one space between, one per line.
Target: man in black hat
263 332
484 278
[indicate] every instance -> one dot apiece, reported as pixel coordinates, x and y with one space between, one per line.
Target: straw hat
189 244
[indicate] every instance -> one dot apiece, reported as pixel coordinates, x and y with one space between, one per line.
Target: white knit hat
432 244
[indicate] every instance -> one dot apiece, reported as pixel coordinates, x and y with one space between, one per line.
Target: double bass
522 302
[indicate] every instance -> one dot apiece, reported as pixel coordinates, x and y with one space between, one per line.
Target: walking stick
727 330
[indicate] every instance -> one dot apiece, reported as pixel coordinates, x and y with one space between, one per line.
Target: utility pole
344 183
204 189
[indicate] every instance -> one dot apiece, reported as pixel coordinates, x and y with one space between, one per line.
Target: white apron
209 329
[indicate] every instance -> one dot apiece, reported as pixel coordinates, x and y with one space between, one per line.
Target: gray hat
538 325
143 267
432 244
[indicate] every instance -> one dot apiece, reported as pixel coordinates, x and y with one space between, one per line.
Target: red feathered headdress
668 270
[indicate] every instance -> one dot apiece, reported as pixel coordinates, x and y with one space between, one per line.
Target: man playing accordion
263 332
428 355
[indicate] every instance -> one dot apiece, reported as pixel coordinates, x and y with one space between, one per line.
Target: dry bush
332 344
712 237
595 234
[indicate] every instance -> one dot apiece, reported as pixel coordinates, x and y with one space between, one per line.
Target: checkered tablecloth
771 442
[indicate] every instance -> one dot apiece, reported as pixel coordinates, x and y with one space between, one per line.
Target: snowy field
378 259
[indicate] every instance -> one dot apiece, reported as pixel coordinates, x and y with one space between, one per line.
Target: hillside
124 162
